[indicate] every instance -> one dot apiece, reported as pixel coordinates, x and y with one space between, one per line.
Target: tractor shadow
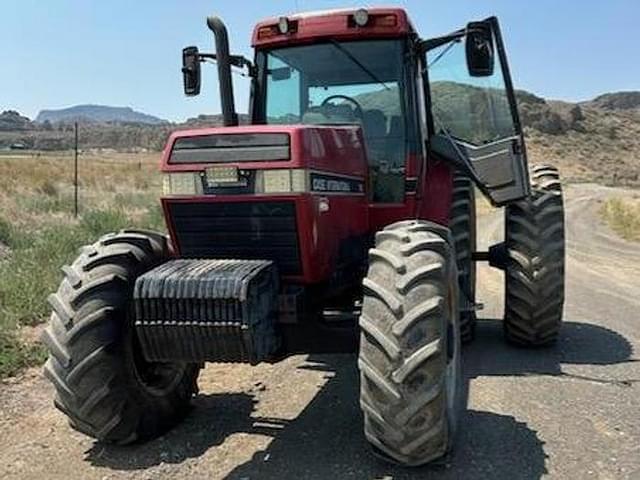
211 421
325 440
578 344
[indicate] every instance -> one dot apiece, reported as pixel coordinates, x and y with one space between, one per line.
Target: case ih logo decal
331 183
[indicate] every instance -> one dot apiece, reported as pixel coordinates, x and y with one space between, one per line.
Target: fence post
75 171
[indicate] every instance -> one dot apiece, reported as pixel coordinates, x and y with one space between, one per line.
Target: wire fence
78 160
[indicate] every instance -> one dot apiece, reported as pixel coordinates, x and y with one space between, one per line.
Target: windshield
345 83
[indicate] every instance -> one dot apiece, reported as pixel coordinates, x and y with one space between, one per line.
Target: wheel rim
157 378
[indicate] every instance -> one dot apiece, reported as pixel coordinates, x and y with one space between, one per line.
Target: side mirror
191 71
480 49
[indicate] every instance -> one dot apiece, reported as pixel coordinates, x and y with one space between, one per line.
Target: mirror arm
235 60
241 62
206 56
431 43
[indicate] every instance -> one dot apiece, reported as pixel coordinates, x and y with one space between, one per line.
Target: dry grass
38 231
34 186
623 216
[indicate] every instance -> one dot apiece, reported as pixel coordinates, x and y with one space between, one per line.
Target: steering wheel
358 107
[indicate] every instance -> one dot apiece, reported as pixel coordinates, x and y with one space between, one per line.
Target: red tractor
341 218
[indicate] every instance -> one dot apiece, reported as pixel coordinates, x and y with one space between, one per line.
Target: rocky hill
616 101
97 114
597 140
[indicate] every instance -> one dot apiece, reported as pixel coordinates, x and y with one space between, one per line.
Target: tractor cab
415 100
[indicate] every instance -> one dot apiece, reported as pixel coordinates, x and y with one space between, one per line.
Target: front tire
409 357
103 384
534 276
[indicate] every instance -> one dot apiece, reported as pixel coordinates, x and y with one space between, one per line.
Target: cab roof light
283 27
361 19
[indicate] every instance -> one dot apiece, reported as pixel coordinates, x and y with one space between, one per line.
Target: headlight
182 184
281 181
266 181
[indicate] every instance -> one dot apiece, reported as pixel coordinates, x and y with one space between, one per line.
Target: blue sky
57 53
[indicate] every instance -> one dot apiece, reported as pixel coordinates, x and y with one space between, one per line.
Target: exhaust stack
230 117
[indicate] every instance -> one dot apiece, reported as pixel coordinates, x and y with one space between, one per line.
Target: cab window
472 109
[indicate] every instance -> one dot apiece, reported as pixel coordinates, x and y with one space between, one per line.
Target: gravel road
571 411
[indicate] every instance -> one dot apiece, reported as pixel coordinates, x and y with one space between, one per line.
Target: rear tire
409 360
463 228
534 276
102 382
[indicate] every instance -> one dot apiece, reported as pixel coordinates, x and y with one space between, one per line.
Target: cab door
472 112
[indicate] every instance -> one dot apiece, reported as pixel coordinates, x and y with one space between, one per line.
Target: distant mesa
97 114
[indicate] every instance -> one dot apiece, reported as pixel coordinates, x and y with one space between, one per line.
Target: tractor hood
293 194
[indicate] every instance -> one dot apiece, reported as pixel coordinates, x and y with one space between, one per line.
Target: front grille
242 230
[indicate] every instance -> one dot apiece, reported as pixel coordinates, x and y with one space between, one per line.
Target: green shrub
11 236
154 219
43 203
32 272
6 232
15 355
99 222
